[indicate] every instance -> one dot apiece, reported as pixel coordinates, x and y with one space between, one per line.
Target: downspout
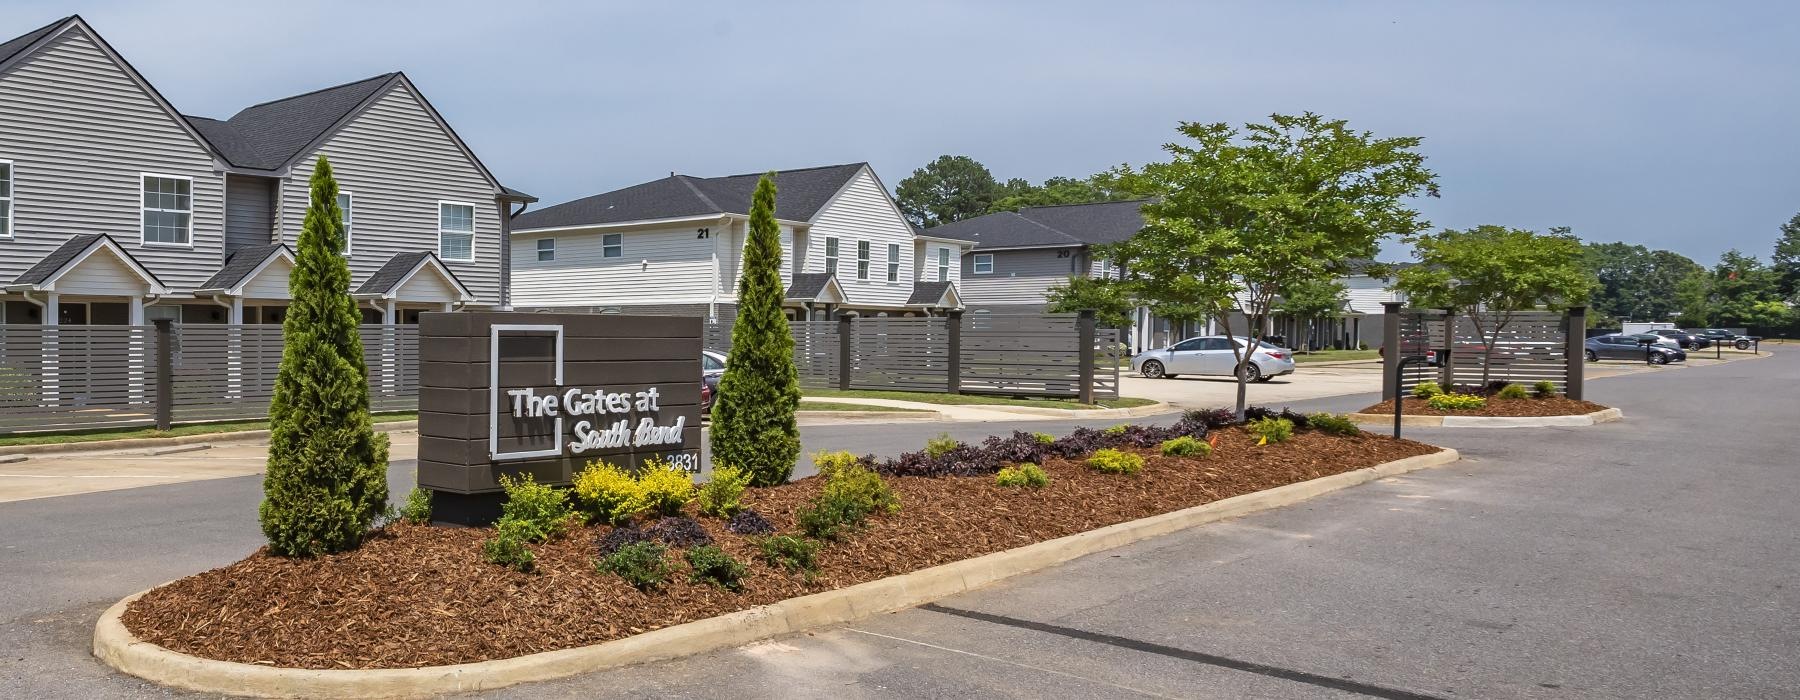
712 305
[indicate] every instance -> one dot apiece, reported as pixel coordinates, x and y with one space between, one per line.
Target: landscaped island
1502 400
415 595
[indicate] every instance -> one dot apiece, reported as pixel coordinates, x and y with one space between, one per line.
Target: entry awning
259 271
94 253
420 277
935 295
816 287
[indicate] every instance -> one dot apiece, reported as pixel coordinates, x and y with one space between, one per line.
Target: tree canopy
1635 283
946 190
1786 260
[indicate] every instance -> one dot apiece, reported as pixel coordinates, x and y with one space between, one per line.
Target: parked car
712 367
1684 339
1725 337
1618 346
1212 355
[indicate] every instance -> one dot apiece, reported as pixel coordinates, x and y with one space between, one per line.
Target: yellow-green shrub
1456 402
719 495
1027 475
1545 389
1426 390
1513 391
1113 461
1271 429
1186 446
663 488
1333 424
607 494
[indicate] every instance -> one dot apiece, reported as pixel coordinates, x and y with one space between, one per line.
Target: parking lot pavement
1304 384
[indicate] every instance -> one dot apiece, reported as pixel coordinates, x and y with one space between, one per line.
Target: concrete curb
870 416
1133 412
134 443
115 645
1604 416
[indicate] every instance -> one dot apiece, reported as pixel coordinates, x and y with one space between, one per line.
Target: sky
1672 125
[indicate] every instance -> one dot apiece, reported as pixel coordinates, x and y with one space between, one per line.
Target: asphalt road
1652 557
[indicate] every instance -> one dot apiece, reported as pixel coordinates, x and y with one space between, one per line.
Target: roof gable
272 135
243 265
393 275
935 295
70 255
799 195
816 286
24 41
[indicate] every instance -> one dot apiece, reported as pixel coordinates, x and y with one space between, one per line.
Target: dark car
712 367
1618 346
1687 339
1725 337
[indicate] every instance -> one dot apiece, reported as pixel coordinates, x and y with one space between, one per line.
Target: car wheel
1591 357
1152 369
1742 344
1659 359
1252 373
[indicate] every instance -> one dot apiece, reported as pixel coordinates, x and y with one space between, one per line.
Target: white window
6 197
456 231
893 262
1106 269
831 256
612 245
943 264
862 260
168 210
546 249
344 206
984 263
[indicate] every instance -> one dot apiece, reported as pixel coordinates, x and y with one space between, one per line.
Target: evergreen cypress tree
327 476
753 421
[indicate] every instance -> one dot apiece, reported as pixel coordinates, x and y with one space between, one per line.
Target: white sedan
1212 355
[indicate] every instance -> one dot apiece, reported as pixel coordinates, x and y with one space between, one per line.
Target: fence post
1084 325
165 373
1447 354
1575 351
1390 350
953 373
845 333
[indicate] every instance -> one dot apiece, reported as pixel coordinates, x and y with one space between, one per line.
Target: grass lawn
835 406
103 434
1336 355
972 399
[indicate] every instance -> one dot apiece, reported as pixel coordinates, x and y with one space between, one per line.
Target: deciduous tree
754 428
1786 260
951 188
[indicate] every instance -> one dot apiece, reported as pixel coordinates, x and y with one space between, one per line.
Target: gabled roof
72 252
242 264
13 47
935 295
800 194
402 267
811 286
271 135
1052 226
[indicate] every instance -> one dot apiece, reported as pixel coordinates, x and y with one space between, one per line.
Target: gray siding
80 133
1019 276
398 164
249 211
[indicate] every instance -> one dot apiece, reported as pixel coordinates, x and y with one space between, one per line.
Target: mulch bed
422 596
1496 408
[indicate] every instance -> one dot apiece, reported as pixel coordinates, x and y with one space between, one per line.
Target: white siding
657 266
1019 276
101 274
863 212
1367 293
400 164
79 132
928 261
427 285
271 283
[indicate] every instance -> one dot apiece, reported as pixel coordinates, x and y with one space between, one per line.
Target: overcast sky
1671 124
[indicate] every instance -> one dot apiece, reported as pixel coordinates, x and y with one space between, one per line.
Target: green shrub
1426 390
641 564
1544 390
715 566
663 488
418 507
1456 402
1271 429
1044 438
607 494
791 553
1116 430
825 517
507 546
828 463
719 496
542 509
1333 424
852 493
1513 391
1024 475
1186 446
940 445
753 425
1113 461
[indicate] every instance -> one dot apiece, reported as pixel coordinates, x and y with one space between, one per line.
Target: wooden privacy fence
68 377
1026 355
1534 346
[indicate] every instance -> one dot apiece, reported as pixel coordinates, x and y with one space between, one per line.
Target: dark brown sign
544 394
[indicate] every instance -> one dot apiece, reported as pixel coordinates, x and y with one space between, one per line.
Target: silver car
1212 355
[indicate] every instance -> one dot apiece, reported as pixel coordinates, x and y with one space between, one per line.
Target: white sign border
494 331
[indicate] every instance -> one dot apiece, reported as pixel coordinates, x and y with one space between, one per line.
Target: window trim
943 264
12 192
349 213
541 250
604 245
440 230
975 265
831 255
143 178
865 254
893 263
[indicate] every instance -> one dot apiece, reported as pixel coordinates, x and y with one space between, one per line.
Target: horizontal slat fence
1022 355
1533 347
900 354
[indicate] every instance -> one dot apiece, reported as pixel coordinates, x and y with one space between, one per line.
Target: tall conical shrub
753 420
327 476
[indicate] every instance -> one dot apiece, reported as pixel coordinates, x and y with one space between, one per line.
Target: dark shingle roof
13 47
808 285
239 264
269 135
927 293
71 249
390 274
1068 224
799 195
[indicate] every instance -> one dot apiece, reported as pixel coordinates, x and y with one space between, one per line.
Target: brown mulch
422 596
1496 408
